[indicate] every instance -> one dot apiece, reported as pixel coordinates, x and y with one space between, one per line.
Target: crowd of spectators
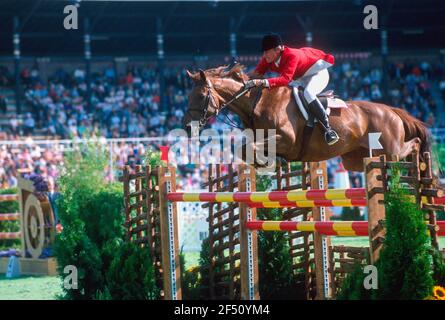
409 86
129 105
121 106
28 158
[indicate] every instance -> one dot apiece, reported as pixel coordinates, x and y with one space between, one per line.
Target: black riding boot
316 108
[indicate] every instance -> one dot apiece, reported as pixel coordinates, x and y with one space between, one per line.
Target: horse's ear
237 72
203 75
232 64
194 76
238 68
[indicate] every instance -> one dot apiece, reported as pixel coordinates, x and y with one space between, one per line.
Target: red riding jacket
294 64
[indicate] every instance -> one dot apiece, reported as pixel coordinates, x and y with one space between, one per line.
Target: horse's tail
415 128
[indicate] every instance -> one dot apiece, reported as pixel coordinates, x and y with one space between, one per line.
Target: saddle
327 99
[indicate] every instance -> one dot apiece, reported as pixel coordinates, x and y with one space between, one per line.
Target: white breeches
313 84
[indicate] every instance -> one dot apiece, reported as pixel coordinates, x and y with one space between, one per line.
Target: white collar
277 63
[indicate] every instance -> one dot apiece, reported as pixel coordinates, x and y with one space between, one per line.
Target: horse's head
207 95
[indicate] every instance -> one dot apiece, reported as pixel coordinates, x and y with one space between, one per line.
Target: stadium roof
130 27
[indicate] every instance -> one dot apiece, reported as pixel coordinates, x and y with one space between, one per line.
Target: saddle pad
336 103
331 104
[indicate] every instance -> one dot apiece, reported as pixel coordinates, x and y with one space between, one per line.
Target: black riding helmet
270 41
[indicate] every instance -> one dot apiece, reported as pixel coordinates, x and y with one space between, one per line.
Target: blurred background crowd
127 105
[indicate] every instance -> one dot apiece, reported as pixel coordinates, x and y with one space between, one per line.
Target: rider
307 65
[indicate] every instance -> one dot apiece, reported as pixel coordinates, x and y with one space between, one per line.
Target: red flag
164 153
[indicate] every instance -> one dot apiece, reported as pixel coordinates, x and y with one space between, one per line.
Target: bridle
206 105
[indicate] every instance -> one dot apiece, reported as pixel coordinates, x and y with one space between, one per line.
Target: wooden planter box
33 267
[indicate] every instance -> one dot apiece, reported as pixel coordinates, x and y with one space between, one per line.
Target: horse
276 108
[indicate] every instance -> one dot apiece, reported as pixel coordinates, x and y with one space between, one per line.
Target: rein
204 118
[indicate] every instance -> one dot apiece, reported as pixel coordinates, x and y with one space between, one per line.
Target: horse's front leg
261 152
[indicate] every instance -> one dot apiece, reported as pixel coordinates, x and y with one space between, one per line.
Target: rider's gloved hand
255 83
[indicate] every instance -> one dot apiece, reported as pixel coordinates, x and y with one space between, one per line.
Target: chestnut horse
276 109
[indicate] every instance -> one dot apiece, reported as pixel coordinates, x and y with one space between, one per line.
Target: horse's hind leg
353 160
409 147
398 147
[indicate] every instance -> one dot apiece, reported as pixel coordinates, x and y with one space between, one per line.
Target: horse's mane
236 72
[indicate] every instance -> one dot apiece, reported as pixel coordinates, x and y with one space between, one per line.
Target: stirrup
331 137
